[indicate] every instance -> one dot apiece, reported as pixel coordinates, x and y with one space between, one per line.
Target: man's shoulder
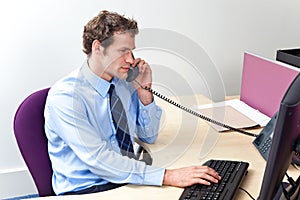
65 84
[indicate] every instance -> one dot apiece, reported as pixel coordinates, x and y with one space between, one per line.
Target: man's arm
149 113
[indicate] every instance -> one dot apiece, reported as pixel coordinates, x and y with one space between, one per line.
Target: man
89 147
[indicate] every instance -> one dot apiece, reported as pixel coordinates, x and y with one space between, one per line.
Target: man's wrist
167 177
145 96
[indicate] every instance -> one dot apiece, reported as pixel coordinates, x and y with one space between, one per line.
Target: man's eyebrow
127 49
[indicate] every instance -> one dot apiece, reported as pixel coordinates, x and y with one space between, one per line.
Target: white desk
176 148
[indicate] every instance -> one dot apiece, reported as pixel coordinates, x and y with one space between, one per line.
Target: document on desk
234 113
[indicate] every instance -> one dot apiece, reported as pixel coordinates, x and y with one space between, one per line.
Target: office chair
31 139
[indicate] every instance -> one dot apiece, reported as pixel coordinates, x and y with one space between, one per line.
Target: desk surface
185 140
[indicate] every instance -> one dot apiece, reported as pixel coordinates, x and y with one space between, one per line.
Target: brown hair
104 26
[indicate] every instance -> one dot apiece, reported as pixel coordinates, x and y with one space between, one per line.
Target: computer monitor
286 132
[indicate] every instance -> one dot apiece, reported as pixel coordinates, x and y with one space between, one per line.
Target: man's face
117 56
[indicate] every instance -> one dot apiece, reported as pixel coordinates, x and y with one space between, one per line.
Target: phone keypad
266 145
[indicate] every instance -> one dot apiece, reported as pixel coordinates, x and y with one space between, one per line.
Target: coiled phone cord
193 112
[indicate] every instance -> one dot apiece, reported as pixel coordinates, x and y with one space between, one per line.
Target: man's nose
129 57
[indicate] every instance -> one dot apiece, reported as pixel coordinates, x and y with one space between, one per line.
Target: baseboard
16 182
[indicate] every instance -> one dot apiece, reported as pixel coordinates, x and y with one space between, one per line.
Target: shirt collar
101 86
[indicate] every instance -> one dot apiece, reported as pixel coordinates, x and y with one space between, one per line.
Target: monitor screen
286 132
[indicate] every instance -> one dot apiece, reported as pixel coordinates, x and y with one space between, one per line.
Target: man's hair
104 26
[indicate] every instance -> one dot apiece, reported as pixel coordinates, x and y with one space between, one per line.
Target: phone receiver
133 72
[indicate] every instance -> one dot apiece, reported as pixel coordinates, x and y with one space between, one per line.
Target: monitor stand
289 191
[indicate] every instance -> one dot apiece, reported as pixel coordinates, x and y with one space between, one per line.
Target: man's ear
96 47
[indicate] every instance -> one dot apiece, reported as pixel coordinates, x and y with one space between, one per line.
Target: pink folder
264 82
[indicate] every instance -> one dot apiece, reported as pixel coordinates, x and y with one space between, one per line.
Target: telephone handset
133 72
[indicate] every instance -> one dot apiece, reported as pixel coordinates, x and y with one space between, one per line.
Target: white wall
40 41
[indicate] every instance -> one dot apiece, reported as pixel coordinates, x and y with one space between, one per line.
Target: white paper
258 117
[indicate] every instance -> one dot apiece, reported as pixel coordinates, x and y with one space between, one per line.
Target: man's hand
145 79
188 176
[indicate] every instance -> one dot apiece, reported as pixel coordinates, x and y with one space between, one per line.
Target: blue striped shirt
81 136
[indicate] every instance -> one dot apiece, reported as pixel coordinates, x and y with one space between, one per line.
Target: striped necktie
120 123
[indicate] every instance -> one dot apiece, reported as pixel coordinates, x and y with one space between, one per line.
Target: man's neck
97 69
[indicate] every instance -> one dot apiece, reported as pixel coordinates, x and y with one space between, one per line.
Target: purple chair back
30 135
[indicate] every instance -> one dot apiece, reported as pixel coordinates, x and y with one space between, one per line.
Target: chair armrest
143 153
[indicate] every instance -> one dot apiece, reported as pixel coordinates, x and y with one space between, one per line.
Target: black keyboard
232 173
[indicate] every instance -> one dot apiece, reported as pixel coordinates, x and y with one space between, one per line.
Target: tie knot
111 89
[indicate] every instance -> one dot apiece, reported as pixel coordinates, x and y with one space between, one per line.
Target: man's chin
123 76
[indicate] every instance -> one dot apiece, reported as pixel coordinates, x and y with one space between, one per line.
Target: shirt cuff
149 111
154 175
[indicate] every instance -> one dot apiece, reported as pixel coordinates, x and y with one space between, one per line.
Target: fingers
141 64
206 179
205 175
143 67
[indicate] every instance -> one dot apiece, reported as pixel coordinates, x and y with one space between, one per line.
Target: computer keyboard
232 173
